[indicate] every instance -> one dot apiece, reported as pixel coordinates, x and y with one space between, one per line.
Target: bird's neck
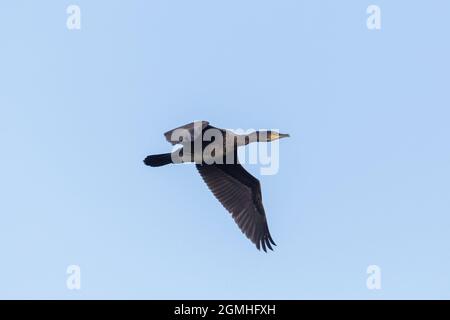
252 137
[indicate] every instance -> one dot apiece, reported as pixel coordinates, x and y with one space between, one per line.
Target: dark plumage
236 189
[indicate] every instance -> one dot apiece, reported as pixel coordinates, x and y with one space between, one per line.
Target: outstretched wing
188 132
240 193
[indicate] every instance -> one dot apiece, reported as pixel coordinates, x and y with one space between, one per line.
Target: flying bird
214 152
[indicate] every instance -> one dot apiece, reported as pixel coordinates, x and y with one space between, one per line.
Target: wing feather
240 193
189 132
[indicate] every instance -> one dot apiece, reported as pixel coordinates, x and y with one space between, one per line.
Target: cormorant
214 152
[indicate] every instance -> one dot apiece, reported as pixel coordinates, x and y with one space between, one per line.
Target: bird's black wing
240 193
187 132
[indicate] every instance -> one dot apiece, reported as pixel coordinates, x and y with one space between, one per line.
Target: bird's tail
158 160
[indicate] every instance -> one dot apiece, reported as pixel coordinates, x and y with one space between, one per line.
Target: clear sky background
363 180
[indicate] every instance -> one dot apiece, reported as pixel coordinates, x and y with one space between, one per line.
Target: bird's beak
275 136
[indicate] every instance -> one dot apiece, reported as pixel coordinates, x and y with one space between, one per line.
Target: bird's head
269 135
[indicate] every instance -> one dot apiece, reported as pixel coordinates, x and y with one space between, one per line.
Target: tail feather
158 160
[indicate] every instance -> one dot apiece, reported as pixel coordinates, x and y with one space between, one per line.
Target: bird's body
214 152
194 144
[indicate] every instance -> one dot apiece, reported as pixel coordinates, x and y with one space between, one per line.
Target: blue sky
363 180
